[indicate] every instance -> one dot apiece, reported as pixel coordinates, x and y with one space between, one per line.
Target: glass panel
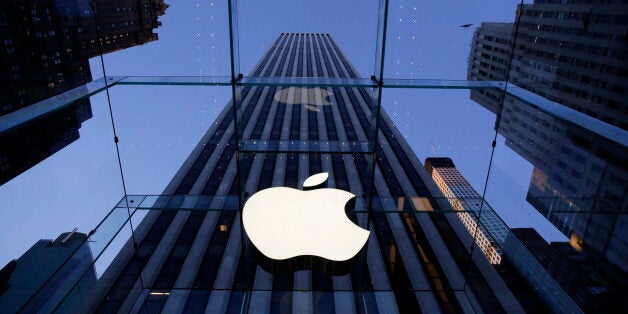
456 129
158 128
176 80
188 202
449 84
188 38
53 165
72 270
567 181
516 205
306 81
354 31
234 40
430 39
78 261
48 106
303 119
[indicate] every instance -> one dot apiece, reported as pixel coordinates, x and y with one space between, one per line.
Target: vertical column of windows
261 119
270 52
295 121
282 60
312 116
208 270
308 56
300 57
294 44
328 49
275 57
343 60
317 59
314 159
322 49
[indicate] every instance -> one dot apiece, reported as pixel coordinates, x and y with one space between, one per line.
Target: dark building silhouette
45 47
47 44
572 271
47 276
416 259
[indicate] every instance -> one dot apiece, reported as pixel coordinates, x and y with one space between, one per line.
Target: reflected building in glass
45 47
417 258
571 270
575 55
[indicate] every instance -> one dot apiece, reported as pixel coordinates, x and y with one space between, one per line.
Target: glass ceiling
150 105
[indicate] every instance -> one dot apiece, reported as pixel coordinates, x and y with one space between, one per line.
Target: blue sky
158 126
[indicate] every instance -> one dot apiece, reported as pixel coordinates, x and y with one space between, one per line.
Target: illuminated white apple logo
284 223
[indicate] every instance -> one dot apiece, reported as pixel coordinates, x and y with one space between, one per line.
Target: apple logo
309 229
310 104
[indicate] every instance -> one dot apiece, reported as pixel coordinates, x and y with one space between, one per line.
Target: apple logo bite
297 229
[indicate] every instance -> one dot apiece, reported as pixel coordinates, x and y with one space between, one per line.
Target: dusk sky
158 126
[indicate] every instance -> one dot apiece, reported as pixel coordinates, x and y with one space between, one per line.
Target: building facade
45 47
572 272
52 274
197 258
47 44
480 219
570 52
573 54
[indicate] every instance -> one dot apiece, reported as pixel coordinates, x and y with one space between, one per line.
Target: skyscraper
479 218
59 264
197 258
48 44
573 54
46 50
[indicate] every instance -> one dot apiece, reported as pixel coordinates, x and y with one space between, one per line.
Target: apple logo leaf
315 181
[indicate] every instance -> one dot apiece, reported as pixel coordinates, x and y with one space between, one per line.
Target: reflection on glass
49 56
578 177
44 58
29 143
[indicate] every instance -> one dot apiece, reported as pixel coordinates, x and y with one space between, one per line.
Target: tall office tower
47 44
572 272
490 232
45 51
58 264
416 259
573 54
489 60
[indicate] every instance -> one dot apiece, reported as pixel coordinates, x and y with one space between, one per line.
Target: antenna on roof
433 150
69 235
